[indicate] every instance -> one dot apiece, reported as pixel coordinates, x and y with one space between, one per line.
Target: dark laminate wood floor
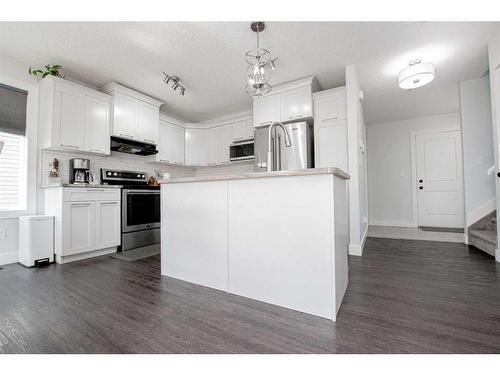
403 297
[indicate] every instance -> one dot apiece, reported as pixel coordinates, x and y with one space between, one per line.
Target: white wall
389 167
356 134
494 64
477 141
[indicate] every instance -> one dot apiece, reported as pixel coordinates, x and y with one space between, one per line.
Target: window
13 167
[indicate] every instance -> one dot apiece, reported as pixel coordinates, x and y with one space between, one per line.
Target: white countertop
86 186
240 176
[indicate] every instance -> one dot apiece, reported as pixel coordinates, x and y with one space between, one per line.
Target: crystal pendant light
260 64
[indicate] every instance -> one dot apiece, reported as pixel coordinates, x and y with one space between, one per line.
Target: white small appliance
36 240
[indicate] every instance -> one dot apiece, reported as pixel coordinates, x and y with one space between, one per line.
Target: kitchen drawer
91 194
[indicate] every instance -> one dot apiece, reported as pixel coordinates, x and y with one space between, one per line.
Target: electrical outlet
2 233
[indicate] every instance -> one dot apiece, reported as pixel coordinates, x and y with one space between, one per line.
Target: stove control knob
139 175
143 176
115 174
109 173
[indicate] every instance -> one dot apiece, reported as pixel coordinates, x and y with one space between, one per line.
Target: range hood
132 147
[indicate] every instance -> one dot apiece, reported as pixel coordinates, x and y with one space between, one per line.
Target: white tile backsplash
117 160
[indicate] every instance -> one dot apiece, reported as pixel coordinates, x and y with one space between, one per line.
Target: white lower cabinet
78 227
87 221
107 224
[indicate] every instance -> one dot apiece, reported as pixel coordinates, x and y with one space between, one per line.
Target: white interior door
439 180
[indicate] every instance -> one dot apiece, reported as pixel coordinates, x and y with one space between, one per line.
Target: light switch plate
2 233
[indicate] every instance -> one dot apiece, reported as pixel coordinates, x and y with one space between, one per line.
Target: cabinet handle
92 190
330 118
70 146
126 136
296 116
165 161
178 163
96 150
266 123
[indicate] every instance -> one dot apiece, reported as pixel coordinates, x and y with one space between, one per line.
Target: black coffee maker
79 171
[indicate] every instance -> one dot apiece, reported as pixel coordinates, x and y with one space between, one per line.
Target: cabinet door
164 143
125 113
331 108
239 131
331 144
195 147
212 145
107 224
180 140
78 227
69 118
97 125
266 109
249 129
296 104
225 138
148 123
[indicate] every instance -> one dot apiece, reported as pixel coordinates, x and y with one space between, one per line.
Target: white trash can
36 240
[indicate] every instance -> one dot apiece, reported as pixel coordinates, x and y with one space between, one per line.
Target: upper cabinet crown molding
171 119
307 81
113 86
341 90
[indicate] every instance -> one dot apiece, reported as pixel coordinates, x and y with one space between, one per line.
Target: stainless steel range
140 207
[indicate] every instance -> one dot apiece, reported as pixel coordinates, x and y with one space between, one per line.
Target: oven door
140 209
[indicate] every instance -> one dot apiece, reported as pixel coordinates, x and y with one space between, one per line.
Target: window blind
12 172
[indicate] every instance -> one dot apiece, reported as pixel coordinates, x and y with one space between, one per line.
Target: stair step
485 235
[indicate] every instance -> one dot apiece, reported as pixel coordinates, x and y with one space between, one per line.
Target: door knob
420 187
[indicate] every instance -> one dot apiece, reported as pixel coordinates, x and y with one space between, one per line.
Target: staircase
483 233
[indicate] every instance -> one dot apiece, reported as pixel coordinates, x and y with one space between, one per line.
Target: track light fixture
175 83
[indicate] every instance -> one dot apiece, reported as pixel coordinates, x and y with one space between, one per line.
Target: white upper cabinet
266 110
225 138
330 129
288 102
249 128
97 125
171 143
296 104
125 111
212 146
240 131
195 147
135 116
148 122
69 117
74 117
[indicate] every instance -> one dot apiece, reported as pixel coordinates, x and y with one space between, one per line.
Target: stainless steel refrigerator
300 155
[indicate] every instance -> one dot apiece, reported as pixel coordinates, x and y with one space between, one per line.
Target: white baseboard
394 223
355 250
87 255
8 258
481 212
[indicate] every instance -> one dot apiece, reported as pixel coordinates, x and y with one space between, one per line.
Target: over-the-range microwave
241 150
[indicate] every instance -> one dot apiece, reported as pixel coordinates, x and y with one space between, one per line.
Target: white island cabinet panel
194 233
287 258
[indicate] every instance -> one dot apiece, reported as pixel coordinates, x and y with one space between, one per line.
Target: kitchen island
278 237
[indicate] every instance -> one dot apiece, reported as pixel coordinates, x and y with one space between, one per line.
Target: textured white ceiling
208 56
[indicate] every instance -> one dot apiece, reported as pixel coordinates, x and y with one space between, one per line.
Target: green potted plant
52 70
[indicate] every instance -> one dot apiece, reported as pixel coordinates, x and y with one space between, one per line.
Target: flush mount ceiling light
260 64
175 83
417 74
